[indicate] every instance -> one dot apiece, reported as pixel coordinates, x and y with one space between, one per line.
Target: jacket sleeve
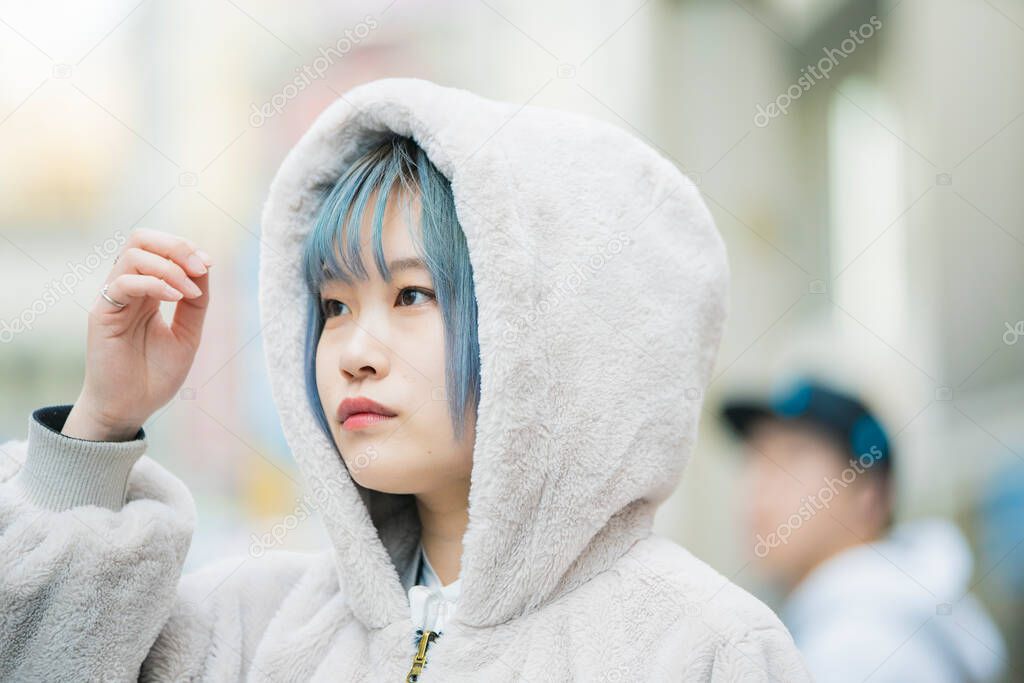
93 537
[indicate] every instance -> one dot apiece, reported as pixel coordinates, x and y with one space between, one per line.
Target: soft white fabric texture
601 284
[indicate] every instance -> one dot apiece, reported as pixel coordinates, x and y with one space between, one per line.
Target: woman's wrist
83 423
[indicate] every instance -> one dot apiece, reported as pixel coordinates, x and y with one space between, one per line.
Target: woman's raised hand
135 361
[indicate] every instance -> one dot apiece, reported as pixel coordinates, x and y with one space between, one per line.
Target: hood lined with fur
601 288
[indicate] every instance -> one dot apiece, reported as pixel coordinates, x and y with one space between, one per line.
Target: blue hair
389 160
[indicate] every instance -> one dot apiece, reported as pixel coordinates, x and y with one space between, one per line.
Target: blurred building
871 211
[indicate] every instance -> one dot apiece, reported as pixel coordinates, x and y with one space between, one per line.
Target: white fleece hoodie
601 286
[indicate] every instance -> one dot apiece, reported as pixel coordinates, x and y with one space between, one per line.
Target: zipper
419 660
429 611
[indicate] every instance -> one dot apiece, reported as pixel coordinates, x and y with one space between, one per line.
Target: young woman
488 328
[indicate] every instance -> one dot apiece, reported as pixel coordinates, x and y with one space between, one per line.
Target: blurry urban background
871 204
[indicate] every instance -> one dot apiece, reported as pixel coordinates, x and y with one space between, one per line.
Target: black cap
841 415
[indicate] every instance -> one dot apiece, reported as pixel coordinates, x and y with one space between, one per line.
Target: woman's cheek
426 377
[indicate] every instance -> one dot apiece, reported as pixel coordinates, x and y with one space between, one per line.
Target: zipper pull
419 660
429 612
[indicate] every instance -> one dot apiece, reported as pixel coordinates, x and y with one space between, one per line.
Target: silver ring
103 293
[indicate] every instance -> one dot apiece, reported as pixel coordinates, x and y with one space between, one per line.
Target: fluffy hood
601 288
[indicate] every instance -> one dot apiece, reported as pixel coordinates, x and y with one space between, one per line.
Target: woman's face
385 341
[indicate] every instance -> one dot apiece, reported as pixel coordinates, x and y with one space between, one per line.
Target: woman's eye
407 296
331 307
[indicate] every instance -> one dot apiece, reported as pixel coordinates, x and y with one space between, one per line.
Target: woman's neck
444 515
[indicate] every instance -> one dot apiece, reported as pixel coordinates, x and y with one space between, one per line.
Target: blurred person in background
865 598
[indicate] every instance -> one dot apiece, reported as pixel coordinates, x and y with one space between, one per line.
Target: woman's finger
129 288
180 250
190 313
142 262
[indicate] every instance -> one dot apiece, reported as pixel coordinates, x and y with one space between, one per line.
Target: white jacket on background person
601 284
897 610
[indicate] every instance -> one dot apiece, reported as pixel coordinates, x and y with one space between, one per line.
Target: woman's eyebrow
409 263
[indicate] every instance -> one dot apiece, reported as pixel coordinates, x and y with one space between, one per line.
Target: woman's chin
384 479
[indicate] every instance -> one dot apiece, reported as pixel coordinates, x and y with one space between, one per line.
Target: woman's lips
362 420
359 412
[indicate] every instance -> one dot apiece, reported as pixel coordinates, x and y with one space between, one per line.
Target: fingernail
206 257
194 289
195 264
171 291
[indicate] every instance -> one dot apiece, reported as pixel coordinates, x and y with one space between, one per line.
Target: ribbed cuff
62 472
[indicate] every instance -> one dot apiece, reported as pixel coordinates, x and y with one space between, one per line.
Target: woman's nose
364 355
